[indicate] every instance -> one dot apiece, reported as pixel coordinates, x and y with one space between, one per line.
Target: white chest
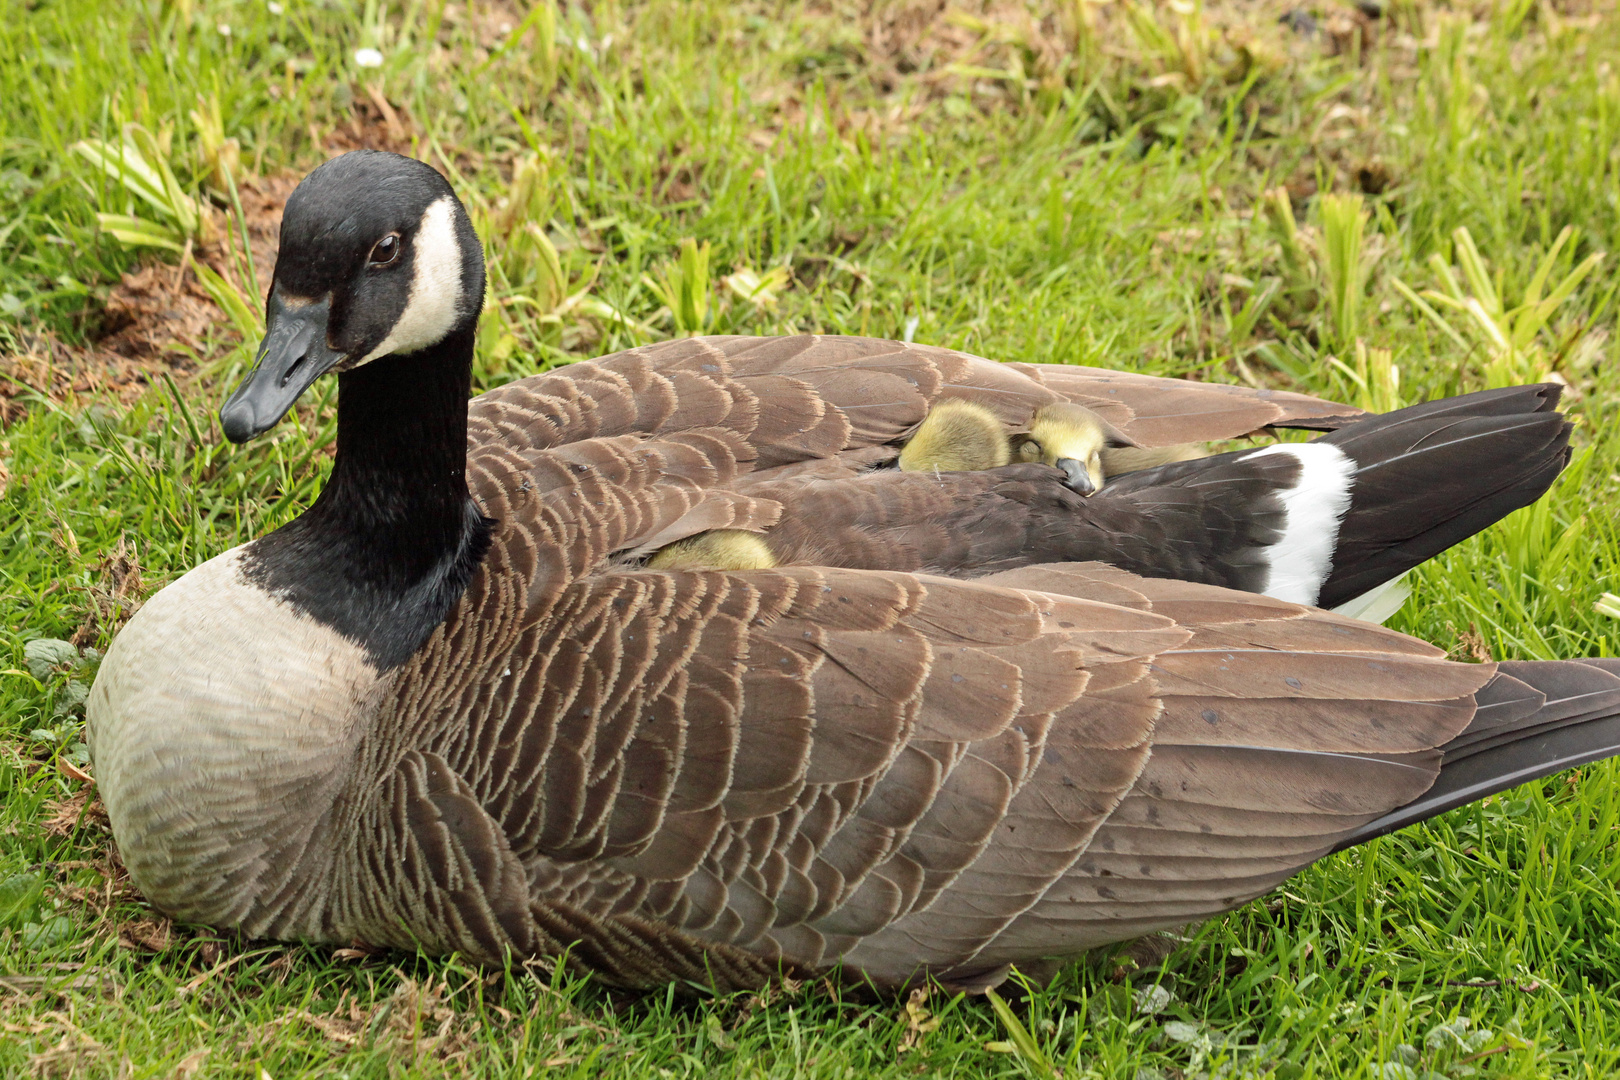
221 726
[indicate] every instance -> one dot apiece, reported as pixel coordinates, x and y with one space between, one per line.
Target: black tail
1536 718
1435 474
1326 521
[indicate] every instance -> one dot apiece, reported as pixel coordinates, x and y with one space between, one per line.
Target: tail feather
1535 718
1429 476
1505 401
1327 522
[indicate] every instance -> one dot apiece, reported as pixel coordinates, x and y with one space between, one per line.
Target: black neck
394 538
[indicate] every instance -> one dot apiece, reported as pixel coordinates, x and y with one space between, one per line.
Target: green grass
1096 208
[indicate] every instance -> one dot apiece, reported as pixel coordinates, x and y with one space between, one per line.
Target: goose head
1071 438
378 258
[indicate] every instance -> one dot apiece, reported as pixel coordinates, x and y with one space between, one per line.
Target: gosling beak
1078 479
291 357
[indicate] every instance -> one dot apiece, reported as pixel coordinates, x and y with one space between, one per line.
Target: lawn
1379 204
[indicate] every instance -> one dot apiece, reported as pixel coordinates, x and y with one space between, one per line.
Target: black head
378 257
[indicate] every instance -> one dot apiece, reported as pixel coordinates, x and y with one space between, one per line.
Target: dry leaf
189 1064
1470 645
919 1021
357 950
66 767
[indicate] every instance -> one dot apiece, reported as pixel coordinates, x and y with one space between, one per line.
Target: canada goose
443 709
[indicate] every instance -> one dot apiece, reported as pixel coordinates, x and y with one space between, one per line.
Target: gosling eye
385 252
1029 450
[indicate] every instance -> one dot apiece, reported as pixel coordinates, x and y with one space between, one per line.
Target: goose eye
386 250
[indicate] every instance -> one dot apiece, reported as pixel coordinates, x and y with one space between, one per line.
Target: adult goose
448 707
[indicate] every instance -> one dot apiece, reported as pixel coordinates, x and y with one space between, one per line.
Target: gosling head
378 257
1071 438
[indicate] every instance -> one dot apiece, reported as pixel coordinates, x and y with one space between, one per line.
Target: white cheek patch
1303 558
434 306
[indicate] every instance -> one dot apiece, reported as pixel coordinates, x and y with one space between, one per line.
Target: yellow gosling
957 436
960 436
718 549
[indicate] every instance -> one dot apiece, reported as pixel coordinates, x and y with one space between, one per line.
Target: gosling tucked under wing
956 436
1071 438
961 436
416 717
1314 523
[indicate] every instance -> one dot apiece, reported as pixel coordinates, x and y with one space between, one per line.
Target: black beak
1078 479
292 355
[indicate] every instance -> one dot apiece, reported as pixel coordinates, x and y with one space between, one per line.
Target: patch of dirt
155 310
374 123
64 817
48 368
158 318
115 596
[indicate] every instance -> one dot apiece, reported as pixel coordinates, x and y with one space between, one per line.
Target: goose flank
451 706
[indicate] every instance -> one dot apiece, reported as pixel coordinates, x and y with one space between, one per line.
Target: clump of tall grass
1481 322
139 168
1344 225
683 285
541 302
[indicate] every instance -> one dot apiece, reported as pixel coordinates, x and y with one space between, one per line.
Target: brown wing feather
1243 787
808 397
854 805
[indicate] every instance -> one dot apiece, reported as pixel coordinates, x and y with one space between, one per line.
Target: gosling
717 549
959 436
